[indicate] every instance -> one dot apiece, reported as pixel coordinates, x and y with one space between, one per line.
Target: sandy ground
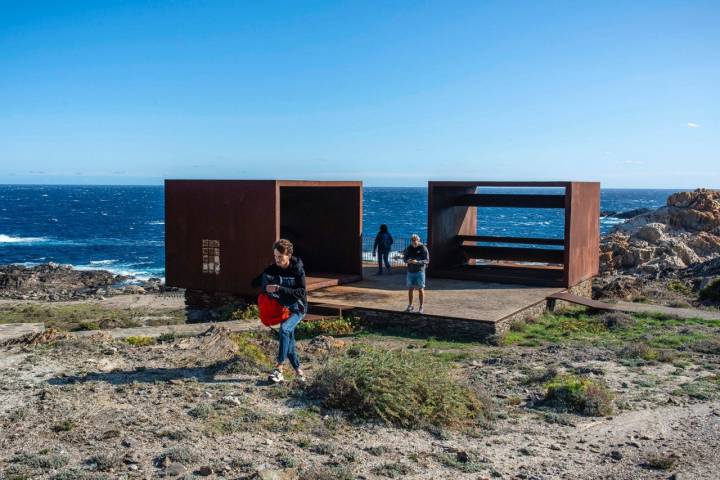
96 407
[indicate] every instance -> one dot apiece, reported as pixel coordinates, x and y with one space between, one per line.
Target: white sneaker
276 376
409 308
421 310
300 376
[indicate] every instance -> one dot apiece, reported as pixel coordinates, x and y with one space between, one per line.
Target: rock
663 242
651 233
175 469
134 290
631 213
616 455
205 471
52 281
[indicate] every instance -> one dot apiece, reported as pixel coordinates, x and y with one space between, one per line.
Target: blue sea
121 228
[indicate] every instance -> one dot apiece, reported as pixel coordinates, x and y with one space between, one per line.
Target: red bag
271 312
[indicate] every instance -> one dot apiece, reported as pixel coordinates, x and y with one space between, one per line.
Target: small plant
465 462
392 470
658 461
638 351
286 461
378 450
338 472
106 462
335 327
63 426
203 410
179 454
249 357
140 341
250 312
711 292
617 320
88 325
43 461
401 388
569 393
679 287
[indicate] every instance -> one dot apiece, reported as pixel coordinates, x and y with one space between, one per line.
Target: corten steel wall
582 232
452 212
244 216
324 225
445 221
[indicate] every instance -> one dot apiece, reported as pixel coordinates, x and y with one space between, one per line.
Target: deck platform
453 307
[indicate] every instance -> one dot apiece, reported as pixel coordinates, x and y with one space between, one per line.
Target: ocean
121 228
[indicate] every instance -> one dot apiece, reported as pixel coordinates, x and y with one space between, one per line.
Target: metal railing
396 253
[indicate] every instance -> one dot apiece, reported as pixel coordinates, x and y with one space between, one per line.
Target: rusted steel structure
219 233
457 250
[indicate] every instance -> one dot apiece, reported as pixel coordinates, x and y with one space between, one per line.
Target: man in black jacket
416 257
284 280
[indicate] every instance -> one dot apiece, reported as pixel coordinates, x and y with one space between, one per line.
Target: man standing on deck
416 256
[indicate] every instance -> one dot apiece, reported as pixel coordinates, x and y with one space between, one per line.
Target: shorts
415 280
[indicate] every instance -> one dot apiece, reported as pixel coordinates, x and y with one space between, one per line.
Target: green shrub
250 312
569 393
617 320
335 327
89 325
179 454
64 426
679 287
43 461
638 350
396 387
249 358
711 292
140 341
392 470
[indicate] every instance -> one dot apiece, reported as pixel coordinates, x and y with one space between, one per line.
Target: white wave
9 239
102 262
156 222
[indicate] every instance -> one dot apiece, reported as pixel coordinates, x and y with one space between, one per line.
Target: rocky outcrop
684 232
54 282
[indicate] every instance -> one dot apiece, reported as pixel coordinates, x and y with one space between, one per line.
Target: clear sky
388 92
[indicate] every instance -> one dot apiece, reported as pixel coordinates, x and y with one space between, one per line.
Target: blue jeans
286 349
383 256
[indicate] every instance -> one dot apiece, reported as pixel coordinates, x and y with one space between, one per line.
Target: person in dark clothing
284 279
417 257
383 244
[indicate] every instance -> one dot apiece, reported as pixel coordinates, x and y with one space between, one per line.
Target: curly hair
283 246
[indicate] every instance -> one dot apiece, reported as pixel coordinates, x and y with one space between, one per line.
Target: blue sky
391 93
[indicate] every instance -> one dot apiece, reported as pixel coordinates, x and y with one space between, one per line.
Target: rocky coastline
53 282
665 254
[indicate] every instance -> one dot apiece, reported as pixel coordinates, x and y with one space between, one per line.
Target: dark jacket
419 253
383 242
292 292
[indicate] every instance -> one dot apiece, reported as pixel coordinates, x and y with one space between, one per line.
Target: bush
140 341
401 388
569 393
249 358
711 292
335 327
617 320
89 325
679 286
638 350
179 454
250 312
